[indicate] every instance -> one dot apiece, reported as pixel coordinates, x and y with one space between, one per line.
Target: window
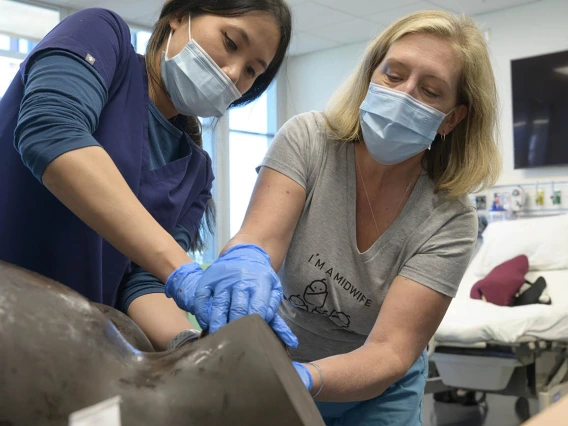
12 52
251 129
9 65
237 144
139 39
206 257
21 27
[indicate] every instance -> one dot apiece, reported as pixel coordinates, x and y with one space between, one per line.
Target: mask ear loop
168 45
171 32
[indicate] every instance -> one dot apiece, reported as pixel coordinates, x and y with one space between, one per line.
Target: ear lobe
455 118
460 113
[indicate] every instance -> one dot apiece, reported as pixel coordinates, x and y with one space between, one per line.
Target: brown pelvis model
59 353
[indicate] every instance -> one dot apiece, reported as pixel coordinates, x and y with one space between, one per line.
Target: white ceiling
322 24
318 24
23 20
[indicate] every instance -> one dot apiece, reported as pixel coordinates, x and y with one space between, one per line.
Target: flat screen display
540 110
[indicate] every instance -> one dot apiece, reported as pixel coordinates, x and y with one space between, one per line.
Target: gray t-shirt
333 292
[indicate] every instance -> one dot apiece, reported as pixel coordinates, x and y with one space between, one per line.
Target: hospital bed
520 351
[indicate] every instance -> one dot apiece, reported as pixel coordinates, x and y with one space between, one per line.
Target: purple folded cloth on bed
503 282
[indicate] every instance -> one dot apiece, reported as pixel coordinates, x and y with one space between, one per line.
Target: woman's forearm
241 238
273 213
88 182
359 375
159 318
275 249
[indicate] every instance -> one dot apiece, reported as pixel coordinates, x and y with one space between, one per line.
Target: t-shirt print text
316 293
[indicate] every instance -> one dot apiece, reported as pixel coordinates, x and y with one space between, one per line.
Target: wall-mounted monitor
540 110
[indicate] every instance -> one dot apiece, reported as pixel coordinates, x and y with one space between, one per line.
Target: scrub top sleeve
99 37
139 282
62 102
441 262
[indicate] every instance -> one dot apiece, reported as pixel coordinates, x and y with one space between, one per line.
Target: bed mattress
471 321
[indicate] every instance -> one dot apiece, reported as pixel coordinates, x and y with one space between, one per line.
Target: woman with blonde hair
364 212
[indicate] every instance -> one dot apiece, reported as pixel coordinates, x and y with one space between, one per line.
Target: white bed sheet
472 321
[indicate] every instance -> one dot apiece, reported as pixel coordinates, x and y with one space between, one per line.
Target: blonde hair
469 159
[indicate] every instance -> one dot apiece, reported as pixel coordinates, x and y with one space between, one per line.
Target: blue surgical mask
196 85
396 126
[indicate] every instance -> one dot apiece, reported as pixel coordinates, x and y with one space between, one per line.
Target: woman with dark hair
107 186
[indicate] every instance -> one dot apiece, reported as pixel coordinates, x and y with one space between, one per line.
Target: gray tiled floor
496 411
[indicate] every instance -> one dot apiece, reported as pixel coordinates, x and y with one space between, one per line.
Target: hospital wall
533 29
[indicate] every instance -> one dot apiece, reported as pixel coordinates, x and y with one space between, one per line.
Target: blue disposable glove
241 282
282 330
305 375
182 284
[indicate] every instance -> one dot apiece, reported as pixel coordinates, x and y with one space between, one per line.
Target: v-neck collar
351 207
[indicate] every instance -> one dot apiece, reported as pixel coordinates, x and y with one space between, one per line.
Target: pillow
502 284
543 240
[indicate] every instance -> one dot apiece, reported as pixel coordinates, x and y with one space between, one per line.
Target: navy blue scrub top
37 231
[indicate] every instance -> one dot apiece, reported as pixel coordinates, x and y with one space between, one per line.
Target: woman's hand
241 282
182 284
282 330
305 375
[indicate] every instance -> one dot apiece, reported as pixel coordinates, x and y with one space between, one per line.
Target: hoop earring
443 137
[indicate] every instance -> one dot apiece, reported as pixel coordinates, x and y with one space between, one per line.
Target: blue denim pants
399 405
